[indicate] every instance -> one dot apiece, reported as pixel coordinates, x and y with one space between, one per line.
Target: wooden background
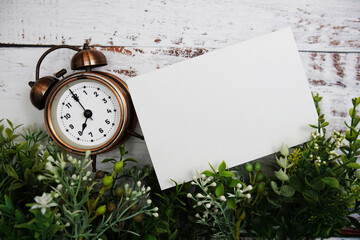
138 36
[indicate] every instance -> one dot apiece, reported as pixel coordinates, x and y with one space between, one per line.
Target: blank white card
235 104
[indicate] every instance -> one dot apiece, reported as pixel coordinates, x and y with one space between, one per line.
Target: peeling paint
339 113
357 67
182 52
127 72
338 65
157 40
121 50
317 82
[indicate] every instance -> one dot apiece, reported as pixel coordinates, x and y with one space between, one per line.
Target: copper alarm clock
87 110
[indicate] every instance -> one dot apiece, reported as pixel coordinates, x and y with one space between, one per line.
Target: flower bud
118 166
107 181
100 210
111 206
99 174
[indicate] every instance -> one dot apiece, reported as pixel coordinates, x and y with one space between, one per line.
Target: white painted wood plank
335 76
329 25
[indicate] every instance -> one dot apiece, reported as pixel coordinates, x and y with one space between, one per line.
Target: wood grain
141 36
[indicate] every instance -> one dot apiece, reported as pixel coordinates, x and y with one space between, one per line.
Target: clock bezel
118 88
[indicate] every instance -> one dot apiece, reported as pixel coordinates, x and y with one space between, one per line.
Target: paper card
235 104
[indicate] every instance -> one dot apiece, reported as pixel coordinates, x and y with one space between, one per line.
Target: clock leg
93 158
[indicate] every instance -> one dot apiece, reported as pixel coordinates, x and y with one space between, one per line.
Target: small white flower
67 224
197 215
199 203
202 176
126 185
193 183
88 173
148 201
58 215
43 202
90 179
63 165
213 184
208 205
138 183
199 195
50 167
58 223
73 176
239 185
50 159
148 189
72 183
41 177
57 181
248 195
56 195
189 195
155 214
206 189
84 178
216 210
222 198
248 188
155 209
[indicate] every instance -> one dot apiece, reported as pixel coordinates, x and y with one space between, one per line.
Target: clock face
86 113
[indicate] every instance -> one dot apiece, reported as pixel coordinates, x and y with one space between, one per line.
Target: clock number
104 100
80 133
101 130
71 126
90 133
68 105
85 92
107 121
67 116
96 94
109 110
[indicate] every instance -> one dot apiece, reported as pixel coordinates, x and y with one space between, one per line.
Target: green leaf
208 173
324 124
295 182
356 121
281 175
331 182
130 160
313 126
19 216
16 185
222 167
234 183
353 165
226 174
318 185
311 194
352 112
287 191
231 203
149 236
173 235
10 123
219 191
281 162
8 133
9 203
10 171
275 188
108 160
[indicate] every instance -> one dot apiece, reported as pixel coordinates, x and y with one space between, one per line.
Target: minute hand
76 98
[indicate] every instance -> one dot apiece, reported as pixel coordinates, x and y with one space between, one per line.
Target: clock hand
76 98
84 125
87 115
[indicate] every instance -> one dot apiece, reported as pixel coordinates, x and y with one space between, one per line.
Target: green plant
222 200
319 182
79 212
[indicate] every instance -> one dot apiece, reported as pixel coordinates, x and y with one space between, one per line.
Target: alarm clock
86 110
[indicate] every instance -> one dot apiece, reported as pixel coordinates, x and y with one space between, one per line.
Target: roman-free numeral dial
89 111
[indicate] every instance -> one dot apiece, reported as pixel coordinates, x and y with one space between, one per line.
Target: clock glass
86 113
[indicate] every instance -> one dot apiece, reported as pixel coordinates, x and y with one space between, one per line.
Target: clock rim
118 88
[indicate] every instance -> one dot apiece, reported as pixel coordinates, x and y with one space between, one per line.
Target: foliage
221 199
319 182
49 194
